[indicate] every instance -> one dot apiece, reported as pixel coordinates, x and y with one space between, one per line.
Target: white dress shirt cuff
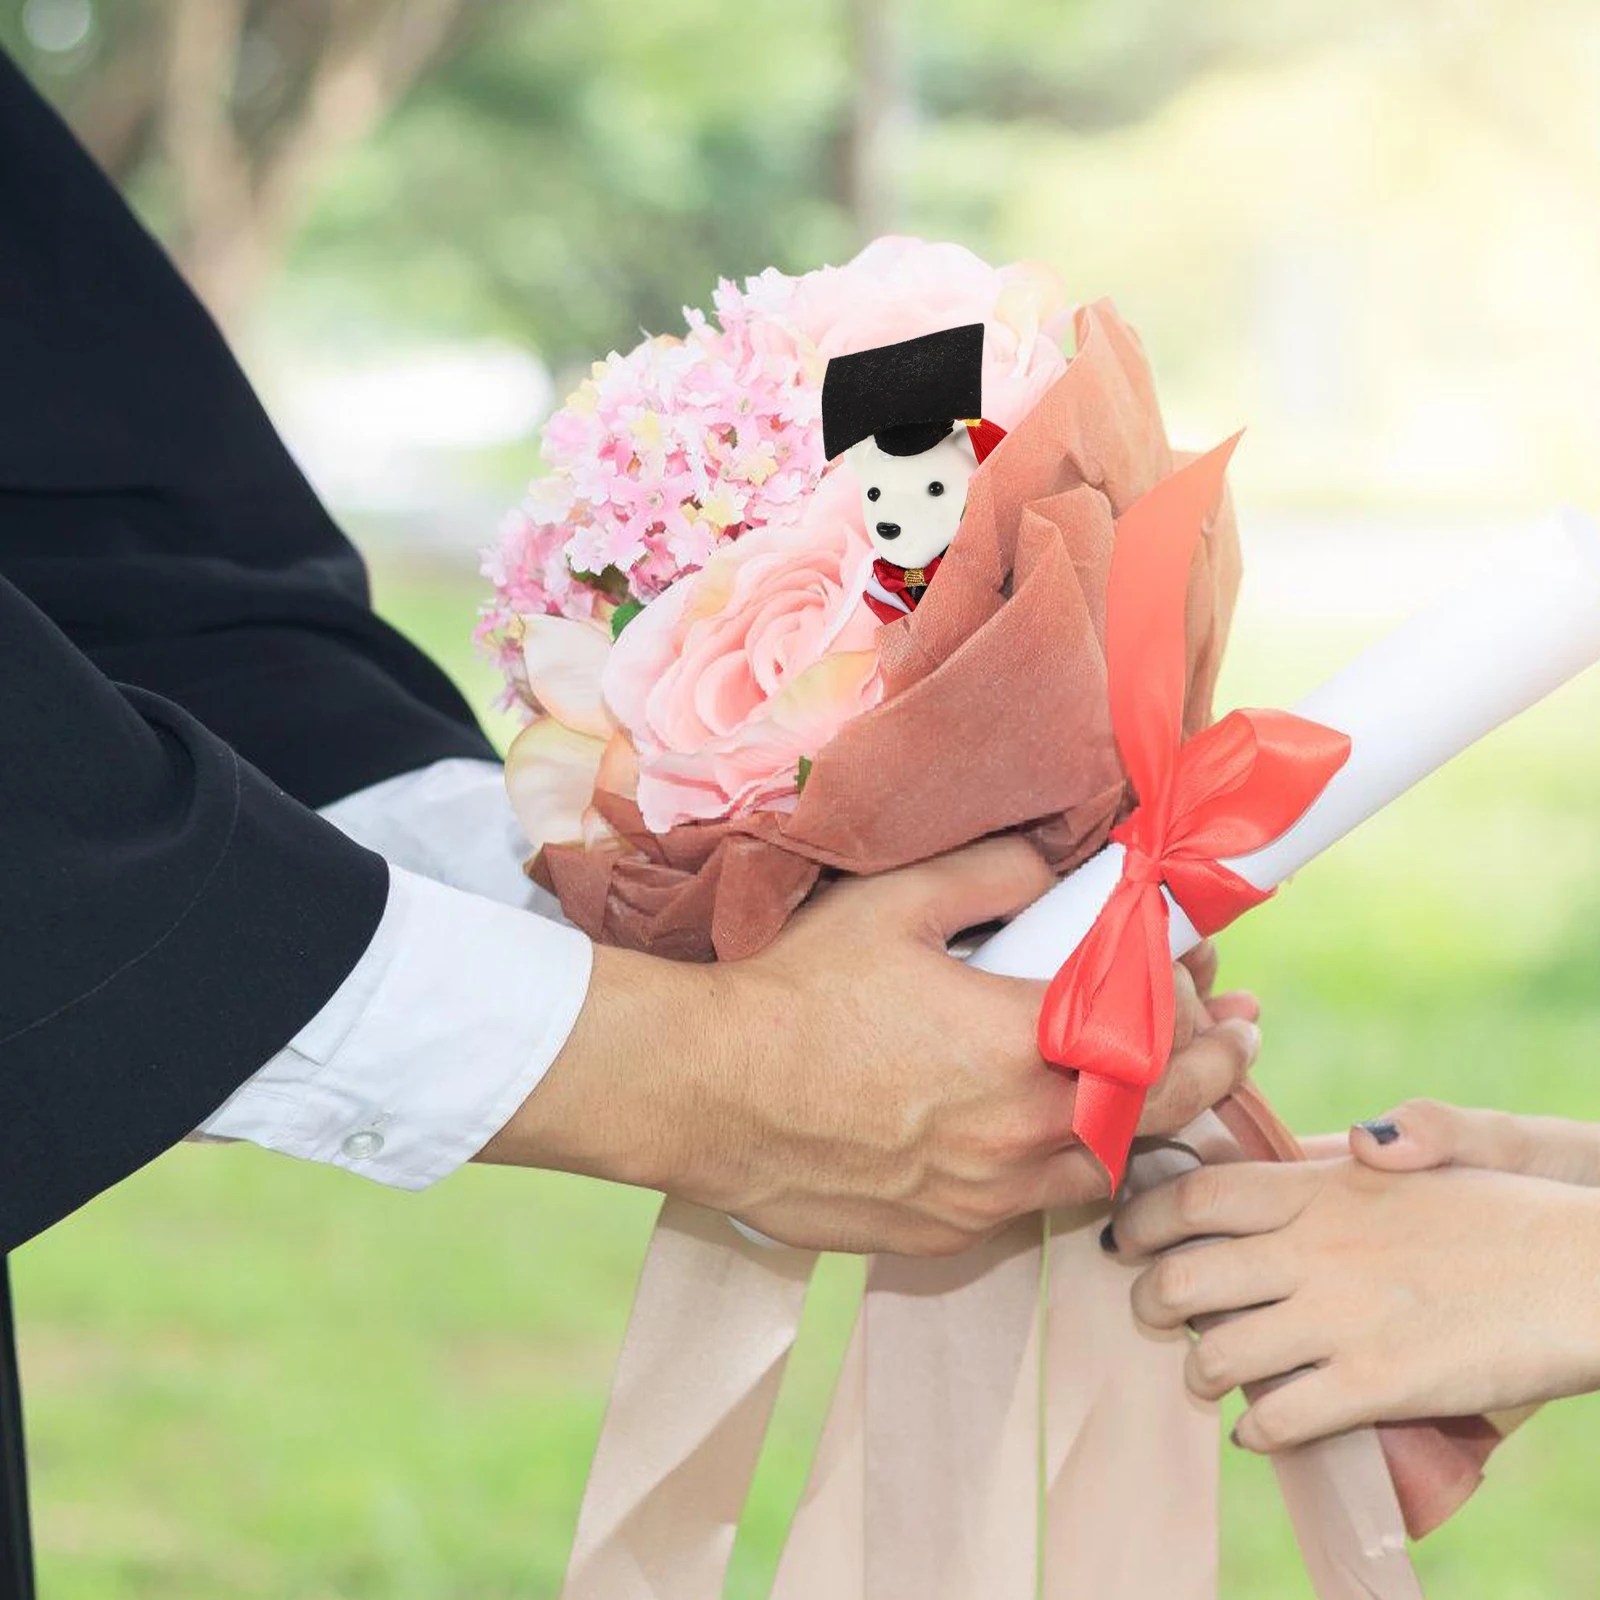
439 1033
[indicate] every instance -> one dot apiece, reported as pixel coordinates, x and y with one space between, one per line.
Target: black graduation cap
907 396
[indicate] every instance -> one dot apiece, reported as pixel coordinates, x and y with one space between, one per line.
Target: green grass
248 1378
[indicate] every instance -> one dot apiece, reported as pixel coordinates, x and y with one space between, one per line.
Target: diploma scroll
1409 704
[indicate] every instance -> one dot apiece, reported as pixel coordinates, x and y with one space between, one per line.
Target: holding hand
853 1087
1407 1293
1427 1133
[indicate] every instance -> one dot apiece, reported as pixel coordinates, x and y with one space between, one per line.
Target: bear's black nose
888 530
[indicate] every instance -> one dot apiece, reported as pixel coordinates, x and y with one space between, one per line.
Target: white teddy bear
907 420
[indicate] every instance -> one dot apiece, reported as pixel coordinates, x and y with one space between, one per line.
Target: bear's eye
872 494
935 487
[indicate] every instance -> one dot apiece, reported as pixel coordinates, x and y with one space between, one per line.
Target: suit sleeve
149 509
168 920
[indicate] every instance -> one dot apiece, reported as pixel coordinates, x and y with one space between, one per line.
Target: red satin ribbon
1109 1013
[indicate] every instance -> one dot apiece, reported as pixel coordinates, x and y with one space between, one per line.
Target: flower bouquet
717 720
717 717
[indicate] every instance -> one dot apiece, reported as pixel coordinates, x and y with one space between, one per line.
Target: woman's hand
1427 1133
1407 1294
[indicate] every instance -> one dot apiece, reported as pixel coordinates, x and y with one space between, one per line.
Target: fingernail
1108 1239
1383 1131
1252 1039
1233 1438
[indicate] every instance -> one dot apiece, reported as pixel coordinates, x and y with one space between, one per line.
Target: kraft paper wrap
996 1414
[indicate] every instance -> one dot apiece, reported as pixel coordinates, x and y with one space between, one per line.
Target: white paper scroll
1412 702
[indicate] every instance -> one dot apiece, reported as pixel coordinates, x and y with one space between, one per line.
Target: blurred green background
1370 231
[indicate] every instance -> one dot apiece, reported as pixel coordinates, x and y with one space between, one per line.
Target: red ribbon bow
1109 1013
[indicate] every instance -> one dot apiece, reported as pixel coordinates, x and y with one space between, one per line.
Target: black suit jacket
188 659
149 509
171 919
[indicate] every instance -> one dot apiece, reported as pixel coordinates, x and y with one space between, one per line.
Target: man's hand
853 1087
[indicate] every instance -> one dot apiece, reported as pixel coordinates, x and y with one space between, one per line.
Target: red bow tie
900 580
898 583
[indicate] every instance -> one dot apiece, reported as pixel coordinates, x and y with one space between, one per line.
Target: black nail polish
1108 1239
1383 1132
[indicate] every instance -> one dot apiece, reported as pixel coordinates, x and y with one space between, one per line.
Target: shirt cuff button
362 1146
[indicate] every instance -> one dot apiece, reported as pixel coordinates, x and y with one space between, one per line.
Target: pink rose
738 672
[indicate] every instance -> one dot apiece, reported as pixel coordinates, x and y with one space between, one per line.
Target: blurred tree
608 161
880 110
566 173
241 103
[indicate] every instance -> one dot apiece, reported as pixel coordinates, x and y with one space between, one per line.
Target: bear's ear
862 457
